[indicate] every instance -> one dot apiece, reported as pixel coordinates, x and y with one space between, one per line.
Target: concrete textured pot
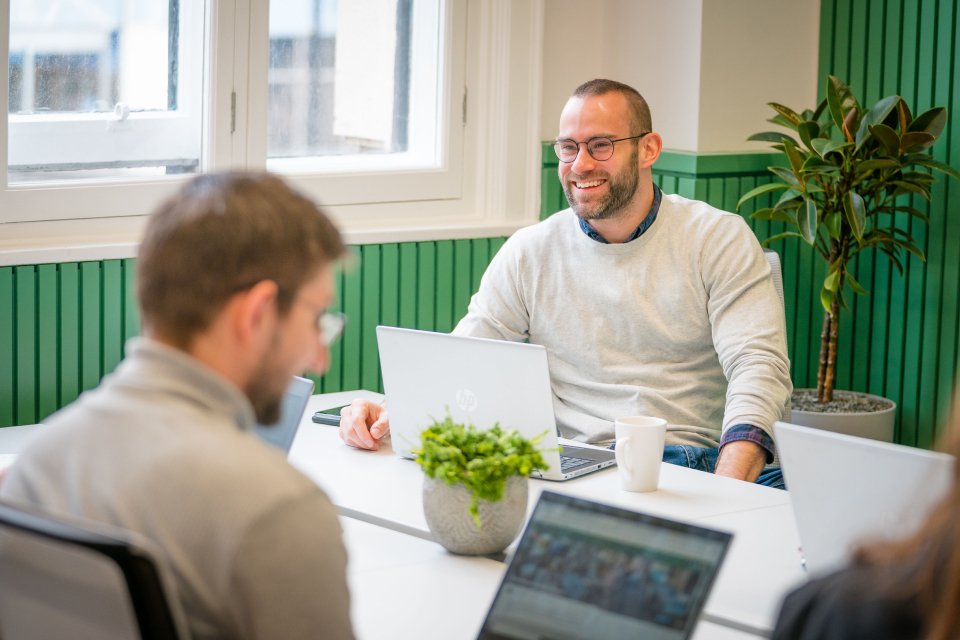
876 425
446 508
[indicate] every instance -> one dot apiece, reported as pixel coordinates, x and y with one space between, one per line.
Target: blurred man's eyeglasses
331 326
600 149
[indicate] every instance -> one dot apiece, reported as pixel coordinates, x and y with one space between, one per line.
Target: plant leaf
867 166
832 222
794 156
774 214
901 187
913 211
924 160
916 141
786 197
819 110
826 298
903 111
855 213
759 191
781 236
808 130
840 100
877 114
832 281
786 175
856 286
787 113
889 138
807 221
769 136
932 121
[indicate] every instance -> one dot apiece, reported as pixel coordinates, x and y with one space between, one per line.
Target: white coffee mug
639 451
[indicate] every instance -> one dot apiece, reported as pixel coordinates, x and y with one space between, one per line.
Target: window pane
341 79
96 89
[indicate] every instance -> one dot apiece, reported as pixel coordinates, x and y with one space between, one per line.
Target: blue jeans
705 459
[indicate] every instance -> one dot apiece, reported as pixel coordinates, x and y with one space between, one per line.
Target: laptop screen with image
587 570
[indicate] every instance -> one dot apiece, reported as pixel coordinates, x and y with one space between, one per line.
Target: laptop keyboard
568 463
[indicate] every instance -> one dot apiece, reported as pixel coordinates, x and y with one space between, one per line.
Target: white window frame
487 184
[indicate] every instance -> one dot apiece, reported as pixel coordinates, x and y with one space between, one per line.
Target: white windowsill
69 247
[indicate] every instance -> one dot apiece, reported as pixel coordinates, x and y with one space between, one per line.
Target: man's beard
620 191
266 388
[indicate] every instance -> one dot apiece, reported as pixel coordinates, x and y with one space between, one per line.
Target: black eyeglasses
600 149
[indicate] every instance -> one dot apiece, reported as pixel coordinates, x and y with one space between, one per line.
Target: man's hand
741 459
363 424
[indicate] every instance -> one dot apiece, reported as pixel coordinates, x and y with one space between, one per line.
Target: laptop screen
294 401
588 570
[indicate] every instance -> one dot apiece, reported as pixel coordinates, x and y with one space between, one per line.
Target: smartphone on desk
328 416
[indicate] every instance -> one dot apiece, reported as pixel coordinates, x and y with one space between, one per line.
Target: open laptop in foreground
292 406
588 570
847 491
477 381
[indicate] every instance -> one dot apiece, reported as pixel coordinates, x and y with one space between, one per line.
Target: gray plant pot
876 425
446 508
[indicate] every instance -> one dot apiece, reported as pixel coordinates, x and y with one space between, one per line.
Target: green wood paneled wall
902 340
63 326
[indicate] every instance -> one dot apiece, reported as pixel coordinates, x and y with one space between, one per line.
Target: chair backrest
62 579
775 271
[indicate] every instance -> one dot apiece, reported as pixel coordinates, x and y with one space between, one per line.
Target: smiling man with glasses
648 303
234 283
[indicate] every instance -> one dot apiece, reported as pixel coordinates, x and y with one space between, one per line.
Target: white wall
706 67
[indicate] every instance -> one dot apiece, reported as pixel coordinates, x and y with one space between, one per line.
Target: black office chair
62 579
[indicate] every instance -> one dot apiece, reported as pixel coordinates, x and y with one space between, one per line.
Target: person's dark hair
930 558
223 233
640 111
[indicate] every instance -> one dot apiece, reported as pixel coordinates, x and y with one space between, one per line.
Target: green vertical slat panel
687 187
480 258
8 347
408 285
827 40
90 325
69 323
389 284
25 284
857 63
551 193
668 184
352 306
495 244
841 50
389 296
444 299
47 367
873 89
112 314
462 278
331 380
930 410
370 314
427 286
950 343
131 313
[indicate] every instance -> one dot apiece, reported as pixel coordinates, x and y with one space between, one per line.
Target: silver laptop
588 570
294 402
480 382
847 491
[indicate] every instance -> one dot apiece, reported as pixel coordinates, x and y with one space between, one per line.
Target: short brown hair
223 233
640 111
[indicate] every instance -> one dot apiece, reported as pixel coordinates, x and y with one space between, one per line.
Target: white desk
402 586
380 487
763 563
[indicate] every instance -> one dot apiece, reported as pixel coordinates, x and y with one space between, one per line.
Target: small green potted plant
475 484
846 182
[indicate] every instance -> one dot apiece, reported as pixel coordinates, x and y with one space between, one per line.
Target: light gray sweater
683 323
165 448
